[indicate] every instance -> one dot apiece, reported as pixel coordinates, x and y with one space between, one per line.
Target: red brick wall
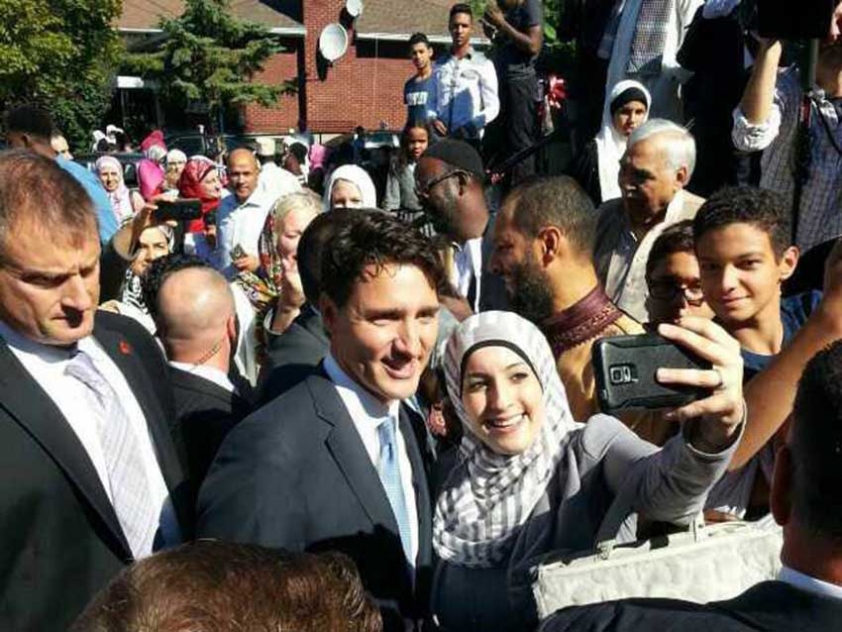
279 119
364 87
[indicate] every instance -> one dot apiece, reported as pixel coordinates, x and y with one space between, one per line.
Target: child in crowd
745 253
743 242
673 279
400 184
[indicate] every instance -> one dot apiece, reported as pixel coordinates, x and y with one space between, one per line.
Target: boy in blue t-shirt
416 91
745 251
743 243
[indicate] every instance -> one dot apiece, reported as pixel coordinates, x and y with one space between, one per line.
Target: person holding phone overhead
530 479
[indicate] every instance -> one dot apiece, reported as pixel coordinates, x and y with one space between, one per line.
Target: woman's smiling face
503 399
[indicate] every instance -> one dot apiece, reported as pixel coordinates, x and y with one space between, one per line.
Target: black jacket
61 540
296 475
770 607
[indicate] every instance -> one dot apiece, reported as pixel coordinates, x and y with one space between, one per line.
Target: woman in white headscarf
529 479
349 186
124 201
597 166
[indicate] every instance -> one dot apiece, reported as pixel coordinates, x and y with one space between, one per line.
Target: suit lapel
35 411
347 448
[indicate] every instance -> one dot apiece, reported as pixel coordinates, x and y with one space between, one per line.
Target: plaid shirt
820 218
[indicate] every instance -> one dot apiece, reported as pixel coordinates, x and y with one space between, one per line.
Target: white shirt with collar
464 92
240 224
467 264
47 364
366 411
804 582
209 373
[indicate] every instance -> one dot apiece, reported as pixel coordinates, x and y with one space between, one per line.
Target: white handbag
705 563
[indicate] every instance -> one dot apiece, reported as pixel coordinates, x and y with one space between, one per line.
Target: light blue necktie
390 476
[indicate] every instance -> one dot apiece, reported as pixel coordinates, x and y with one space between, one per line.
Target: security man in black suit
91 478
806 500
196 321
338 462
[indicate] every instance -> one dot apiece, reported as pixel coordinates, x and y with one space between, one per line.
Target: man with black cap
449 181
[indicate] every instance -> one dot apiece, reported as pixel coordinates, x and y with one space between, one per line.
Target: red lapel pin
125 347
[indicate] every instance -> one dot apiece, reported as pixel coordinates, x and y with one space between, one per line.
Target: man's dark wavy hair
377 239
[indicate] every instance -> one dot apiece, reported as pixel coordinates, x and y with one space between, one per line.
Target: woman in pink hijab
150 173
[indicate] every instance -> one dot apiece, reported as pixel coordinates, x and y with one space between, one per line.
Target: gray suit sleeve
674 481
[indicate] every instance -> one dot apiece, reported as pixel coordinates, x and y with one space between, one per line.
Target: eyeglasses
423 193
667 291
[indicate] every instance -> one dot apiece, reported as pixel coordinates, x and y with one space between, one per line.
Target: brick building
364 87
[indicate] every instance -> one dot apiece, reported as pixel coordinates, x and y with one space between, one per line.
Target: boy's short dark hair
377 238
418 38
673 239
461 7
765 210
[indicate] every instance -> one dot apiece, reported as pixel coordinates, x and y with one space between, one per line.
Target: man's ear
788 261
329 311
780 497
682 176
552 243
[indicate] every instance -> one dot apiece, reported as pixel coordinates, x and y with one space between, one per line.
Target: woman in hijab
124 202
597 167
350 186
200 181
150 173
176 160
529 479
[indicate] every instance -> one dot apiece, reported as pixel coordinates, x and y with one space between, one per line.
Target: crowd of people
272 393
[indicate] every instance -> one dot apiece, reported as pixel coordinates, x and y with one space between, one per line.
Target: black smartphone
624 370
181 210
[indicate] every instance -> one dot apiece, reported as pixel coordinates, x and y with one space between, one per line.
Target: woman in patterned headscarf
200 180
529 479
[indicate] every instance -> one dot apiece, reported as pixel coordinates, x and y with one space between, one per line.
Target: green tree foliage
60 54
209 57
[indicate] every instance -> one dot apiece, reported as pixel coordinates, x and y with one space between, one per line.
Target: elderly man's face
647 182
49 285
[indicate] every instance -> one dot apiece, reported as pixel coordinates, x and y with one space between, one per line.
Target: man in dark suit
91 477
806 500
338 462
293 354
197 324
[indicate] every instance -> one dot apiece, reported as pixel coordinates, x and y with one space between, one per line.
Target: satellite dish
333 42
354 7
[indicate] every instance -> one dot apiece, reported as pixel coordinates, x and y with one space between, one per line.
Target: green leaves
211 57
61 54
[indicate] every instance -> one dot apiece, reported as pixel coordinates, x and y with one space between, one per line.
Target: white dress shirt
240 224
467 265
46 364
464 93
209 373
276 182
809 584
366 411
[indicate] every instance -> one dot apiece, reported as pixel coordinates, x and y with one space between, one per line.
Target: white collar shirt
467 265
465 93
209 373
240 224
366 412
809 584
47 365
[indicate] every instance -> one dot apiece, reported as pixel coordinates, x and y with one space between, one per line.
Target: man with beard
543 246
449 184
654 171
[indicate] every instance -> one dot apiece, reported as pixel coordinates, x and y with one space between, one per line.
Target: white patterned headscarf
488 497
